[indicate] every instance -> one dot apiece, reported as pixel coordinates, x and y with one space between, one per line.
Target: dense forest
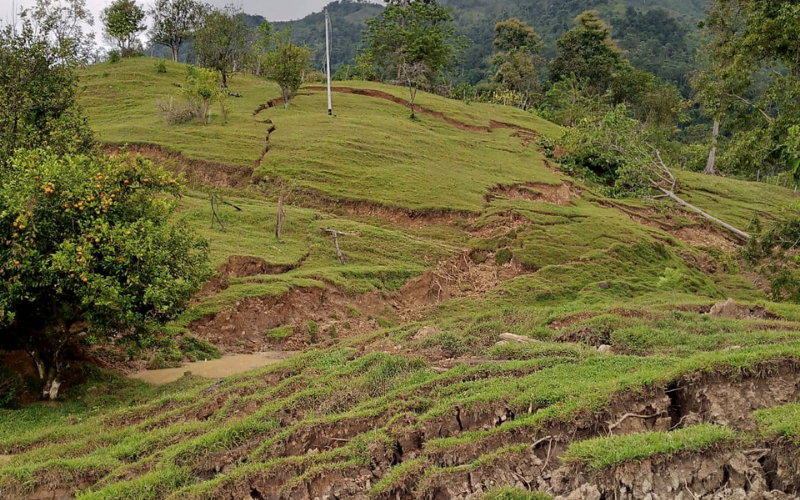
659 36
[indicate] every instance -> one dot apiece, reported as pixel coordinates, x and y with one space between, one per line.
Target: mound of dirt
197 172
244 328
547 193
242 266
459 277
731 310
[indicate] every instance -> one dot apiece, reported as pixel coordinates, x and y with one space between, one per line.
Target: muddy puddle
216 368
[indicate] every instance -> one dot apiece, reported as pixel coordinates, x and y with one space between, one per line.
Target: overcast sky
273 10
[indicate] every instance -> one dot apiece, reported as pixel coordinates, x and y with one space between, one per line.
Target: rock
727 309
425 331
604 285
586 492
605 348
510 337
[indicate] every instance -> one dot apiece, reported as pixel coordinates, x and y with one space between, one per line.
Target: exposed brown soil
197 172
528 135
458 277
702 234
243 328
275 103
548 193
768 468
242 266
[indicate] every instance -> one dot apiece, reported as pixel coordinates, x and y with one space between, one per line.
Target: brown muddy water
215 368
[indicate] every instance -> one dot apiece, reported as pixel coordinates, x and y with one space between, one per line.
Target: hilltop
496 324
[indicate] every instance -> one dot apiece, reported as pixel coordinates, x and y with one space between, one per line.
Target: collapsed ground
496 323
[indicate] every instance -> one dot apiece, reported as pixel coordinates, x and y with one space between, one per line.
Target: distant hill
347 23
659 35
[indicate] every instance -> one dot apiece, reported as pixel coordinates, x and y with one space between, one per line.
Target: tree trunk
285 98
176 52
53 381
671 195
224 79
712 155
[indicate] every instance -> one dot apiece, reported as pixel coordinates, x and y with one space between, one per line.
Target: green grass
370 151
601 453
781 421
356 397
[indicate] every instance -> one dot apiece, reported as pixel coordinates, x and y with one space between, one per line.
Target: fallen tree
615 150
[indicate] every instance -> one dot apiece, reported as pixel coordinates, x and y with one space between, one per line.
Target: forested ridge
660 36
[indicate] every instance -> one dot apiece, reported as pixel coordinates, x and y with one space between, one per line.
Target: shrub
161 66
114 57
11 386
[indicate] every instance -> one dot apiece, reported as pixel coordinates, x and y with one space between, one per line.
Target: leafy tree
123 20
286 64
221 43
751 83
410 33
588 52
174 22
517 59
201 88
89 254
38 84
263 42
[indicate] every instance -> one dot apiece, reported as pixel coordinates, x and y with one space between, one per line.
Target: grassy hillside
497 324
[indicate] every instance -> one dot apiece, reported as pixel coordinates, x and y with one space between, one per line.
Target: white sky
272 10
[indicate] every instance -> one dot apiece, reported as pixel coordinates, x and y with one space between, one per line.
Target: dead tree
664 181
214 216
336 235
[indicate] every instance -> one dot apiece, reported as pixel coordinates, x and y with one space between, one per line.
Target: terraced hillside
499 330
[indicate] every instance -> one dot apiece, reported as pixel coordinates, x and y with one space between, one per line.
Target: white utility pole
328 56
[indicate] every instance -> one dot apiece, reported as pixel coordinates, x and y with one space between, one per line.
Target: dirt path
527 134
217 368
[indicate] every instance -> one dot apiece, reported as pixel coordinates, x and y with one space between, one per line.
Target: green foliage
600 453
751 82
11 385
221 42
38 88
202 90
517 59
587 53
122 21
773 251
114 57
91 251
161 67
613 151
174 23
197 349
419 34
285 63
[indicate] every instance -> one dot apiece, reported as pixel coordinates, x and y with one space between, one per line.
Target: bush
161 66
11 386
114 57
198 349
